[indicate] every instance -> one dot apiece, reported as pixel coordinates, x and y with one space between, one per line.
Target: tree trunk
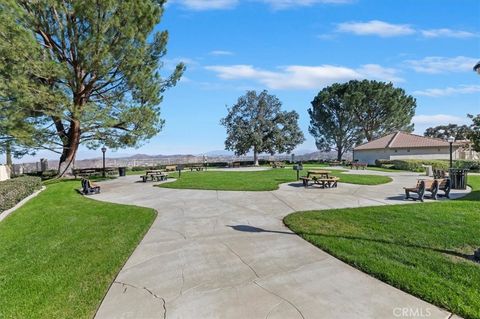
70 147
255 157
8 154
339 153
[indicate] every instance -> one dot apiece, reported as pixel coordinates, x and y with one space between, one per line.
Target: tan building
401 145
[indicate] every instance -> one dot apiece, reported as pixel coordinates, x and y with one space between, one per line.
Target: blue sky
294 48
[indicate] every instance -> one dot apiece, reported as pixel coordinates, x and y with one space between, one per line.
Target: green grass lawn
423 249
257 181
60 252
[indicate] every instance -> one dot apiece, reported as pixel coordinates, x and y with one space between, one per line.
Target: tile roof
402 140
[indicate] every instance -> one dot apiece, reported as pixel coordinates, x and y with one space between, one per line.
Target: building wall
433 153
4 172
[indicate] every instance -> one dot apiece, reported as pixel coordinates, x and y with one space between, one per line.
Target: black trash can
122 171
458 178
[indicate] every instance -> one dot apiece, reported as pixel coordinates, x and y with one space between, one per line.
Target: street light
104 149
476 68
450 140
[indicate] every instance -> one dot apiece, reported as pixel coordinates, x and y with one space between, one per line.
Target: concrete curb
7 212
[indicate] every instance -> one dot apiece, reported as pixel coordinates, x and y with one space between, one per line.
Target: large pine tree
103 85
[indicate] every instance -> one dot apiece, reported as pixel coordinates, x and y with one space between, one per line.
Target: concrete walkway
219 254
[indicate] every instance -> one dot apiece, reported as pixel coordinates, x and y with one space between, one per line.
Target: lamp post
451 139
104 149
476 68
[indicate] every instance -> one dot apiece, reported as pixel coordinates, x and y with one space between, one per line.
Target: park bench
443 184
277 164
438 174
88 188
236 165
170 168
357 165
420 189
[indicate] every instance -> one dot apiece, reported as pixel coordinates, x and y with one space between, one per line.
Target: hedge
14 190
416 165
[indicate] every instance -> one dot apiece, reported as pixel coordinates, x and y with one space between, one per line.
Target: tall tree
256 122
104 86
460 132
380 108
331 121
474 135
18 53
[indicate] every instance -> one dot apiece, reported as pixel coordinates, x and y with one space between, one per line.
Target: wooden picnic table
157 174
320 177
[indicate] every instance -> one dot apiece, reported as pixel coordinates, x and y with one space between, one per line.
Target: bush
416 165
14 190
383 162
467 164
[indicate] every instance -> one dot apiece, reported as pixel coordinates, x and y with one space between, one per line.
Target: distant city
154 160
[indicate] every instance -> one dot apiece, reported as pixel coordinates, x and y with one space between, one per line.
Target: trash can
458 178
122 171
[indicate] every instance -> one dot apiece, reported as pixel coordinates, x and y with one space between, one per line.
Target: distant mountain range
154 160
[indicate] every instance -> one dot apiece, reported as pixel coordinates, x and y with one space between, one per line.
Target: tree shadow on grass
252 229
381 241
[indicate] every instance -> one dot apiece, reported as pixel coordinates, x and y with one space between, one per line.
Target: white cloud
200 5
221 52
447 33
375 27
283 4
423 121
438 119
463 89
435 64
303 77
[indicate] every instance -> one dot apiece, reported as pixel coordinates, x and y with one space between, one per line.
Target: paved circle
220 254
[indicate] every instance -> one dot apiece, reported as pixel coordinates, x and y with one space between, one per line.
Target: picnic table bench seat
324 182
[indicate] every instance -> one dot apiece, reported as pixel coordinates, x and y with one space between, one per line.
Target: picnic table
197 168
320 177
87 172
357 165
154 175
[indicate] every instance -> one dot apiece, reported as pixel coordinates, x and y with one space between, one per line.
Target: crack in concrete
284 299
124 284
243 261
173 231
283 202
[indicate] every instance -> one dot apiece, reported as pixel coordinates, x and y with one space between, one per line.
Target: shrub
467 164
14 190
383 162
416 165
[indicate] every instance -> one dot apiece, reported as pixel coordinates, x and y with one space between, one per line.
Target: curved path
220 254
